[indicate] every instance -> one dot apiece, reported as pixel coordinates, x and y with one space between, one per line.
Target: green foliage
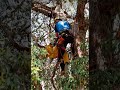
77 72
80 65
104 80
14 69
84 47
36 66
76 77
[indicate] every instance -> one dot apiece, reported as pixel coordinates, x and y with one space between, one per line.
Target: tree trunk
104 43
101 27
79 26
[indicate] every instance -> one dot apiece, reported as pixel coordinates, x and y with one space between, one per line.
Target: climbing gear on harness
53 53
60 41
68 37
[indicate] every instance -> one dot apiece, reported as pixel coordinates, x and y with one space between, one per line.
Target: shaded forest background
104 43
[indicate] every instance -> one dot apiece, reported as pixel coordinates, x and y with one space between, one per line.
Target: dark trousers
60 56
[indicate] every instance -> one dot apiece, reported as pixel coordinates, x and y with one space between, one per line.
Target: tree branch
48 11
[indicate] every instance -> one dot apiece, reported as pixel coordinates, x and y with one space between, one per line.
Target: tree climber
62 29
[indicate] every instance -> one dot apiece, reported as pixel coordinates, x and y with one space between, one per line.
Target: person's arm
56 32
57 35
60 43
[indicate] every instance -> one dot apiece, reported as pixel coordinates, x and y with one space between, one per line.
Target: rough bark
102 14
103 43
79 26
11 35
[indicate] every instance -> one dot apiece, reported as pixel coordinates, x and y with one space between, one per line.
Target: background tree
15 55
104 51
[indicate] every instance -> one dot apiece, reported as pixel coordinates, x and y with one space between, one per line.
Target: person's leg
60 54
62 64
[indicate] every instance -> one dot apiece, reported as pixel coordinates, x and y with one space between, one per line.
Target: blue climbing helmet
63 25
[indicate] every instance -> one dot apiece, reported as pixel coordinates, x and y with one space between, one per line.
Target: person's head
57 20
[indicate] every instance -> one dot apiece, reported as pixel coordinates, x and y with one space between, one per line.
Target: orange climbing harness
52 53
